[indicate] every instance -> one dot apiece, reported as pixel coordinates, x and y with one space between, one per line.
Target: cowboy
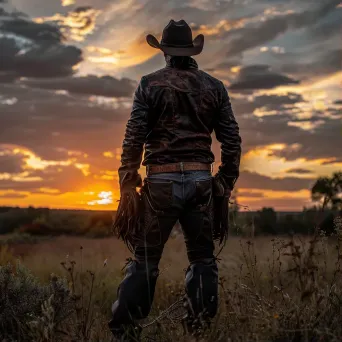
175 111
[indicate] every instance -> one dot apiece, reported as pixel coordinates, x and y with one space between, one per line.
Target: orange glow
69 200
264 161
108 154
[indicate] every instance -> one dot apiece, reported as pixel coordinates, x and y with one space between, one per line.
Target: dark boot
134 300
201 300
126 333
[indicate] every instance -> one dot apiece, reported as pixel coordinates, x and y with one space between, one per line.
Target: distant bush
20 238
39 226
99 225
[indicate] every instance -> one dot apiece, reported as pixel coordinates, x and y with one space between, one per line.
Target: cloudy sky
68 69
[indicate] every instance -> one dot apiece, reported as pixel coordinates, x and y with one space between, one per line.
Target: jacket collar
173 62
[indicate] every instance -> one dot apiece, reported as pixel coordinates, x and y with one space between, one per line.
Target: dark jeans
168 197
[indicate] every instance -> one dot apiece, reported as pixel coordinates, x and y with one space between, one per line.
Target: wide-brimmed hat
177 40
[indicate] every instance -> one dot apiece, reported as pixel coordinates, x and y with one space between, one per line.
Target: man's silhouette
174 113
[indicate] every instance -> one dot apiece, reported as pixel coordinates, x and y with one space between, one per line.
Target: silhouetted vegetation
279 289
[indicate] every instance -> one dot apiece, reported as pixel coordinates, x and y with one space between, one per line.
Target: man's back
175 111
183 105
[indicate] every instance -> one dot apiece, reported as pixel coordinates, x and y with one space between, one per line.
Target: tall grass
283 289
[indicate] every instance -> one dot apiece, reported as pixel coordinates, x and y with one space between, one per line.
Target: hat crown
177 33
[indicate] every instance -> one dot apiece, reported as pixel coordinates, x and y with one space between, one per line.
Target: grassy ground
284 289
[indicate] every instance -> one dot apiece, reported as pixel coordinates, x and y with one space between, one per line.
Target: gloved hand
127 220
221 186
221 196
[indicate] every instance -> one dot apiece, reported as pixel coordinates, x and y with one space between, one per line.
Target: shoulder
211 80
154 75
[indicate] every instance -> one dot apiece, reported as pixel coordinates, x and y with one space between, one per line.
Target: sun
104 198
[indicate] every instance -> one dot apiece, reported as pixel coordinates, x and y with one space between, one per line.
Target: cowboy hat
177 40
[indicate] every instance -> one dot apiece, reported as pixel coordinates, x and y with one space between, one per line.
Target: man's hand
127 220
129 184
221 188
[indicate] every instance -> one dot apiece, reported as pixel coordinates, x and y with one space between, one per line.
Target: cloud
216 31
323 142
9 162
77 24
34 32
41 61
52 124
259 77
254 180
323 64
251 37
92 85
68 2
33 49
301 171
10 194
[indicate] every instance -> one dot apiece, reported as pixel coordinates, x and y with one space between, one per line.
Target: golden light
105 197
83 167
104 59
306 125
235 69
108 154
68 2
76 25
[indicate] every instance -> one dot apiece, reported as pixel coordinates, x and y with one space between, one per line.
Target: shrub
5 255
37 227
22 300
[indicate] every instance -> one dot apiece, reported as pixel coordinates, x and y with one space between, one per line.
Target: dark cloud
256 181
323 142
37 32
51 124
251 37
50 60
323 64
332 161
259 77
283 104
34 49
6 77
11 163
301 171
92 85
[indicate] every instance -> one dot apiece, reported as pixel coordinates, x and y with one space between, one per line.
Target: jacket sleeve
134 140
227 133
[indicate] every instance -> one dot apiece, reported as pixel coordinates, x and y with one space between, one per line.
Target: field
271 289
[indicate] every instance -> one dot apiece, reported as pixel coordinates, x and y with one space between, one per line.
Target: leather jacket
175 111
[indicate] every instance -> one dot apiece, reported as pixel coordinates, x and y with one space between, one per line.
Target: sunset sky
68 70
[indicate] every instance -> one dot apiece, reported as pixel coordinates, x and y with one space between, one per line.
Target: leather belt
178 167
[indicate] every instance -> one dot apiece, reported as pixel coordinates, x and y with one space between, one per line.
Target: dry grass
270 289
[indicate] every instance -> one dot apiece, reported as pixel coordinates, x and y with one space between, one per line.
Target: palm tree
328 191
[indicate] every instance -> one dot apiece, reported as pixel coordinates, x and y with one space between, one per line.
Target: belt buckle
181 166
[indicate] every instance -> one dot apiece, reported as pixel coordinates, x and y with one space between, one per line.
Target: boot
128 333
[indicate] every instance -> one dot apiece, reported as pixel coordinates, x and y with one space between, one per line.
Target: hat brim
198 43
